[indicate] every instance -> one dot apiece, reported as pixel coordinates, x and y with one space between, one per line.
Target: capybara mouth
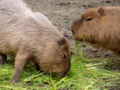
60 75
81 39
63 74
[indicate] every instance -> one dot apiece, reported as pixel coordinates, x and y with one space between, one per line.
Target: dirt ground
63 12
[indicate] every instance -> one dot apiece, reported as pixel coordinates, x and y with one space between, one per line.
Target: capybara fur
99 26
28 35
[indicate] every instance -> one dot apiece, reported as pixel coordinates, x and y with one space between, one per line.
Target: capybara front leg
19 64
3 58
38 67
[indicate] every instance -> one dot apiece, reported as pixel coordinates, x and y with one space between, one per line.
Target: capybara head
99 26
88 24
56 59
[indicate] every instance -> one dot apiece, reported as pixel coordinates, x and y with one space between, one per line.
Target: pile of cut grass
85 74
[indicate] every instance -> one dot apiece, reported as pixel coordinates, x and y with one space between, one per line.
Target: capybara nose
66 71
62 74
73 32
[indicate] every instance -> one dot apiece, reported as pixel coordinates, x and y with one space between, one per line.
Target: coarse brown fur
31 36
99 26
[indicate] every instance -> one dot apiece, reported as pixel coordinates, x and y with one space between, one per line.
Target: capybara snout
28 35
99 26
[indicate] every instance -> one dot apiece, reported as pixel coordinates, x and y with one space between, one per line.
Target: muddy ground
63 12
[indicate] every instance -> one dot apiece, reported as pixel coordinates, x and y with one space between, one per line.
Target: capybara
99 26
28 35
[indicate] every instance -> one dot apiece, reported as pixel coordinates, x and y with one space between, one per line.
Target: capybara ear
101 11
62 41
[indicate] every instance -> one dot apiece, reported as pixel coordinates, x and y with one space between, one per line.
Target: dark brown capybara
99 26
31 36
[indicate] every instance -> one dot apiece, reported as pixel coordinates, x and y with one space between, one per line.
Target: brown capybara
99 26
31 36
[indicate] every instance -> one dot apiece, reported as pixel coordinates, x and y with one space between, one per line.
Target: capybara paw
13 81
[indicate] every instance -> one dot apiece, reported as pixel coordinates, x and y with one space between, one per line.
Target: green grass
85 74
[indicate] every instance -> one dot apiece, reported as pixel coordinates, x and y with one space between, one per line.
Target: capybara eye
72 31
89 19
64 55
